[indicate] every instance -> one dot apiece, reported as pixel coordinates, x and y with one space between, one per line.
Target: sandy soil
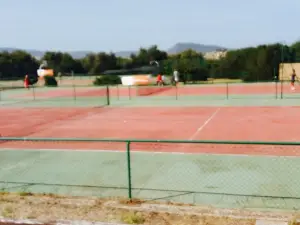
48 208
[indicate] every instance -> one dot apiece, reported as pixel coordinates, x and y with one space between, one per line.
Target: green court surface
201 101
219 180
56 102
183 101
70 96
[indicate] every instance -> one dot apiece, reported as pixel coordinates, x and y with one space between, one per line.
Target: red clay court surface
191 123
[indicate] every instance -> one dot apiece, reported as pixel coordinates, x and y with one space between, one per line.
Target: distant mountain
180 47
35 53
75 54
125 54
177 48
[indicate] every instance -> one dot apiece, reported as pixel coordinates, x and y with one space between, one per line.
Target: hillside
177 48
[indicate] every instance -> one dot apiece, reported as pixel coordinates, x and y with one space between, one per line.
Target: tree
63 62
16 64
144 56
250 64
296 46
100 62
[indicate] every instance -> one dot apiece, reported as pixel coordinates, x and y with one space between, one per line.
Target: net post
129 170
227 90
0 94
118 97
33 92
74 92
72 73
176 92
281 91
129 92
276 81
276 89
107 95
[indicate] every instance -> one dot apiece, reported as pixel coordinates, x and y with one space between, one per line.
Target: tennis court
239 175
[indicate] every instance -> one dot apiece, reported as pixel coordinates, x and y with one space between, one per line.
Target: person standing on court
176 77
26 81
293 79
163 79
159 80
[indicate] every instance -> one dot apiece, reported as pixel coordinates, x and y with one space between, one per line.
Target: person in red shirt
26 81
159 80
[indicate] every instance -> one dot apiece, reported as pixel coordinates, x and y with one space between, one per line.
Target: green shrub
50 81
107 80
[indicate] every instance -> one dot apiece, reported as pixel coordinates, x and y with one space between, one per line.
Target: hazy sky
117 25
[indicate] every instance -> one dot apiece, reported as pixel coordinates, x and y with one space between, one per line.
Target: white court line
139 152
204 124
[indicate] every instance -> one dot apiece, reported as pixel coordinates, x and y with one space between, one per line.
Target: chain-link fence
224 173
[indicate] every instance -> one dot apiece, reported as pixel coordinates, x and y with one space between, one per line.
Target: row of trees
250 64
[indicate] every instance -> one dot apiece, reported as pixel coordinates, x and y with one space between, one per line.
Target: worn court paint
220 180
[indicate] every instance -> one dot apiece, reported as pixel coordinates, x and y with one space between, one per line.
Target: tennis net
56 96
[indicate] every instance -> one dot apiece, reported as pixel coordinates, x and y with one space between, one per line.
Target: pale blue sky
117 25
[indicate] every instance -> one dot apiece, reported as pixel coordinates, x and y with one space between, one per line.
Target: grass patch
8 212
294 220
23 193
133 218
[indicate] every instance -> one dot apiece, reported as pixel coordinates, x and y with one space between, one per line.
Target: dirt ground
48 208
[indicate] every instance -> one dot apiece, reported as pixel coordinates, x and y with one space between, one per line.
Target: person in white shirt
163 79
176 76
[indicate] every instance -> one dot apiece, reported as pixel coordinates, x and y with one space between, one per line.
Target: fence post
74 92
107 95
129 170
227 91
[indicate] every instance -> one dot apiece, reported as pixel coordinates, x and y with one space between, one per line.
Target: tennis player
159 80
26 82
293 79
176 77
